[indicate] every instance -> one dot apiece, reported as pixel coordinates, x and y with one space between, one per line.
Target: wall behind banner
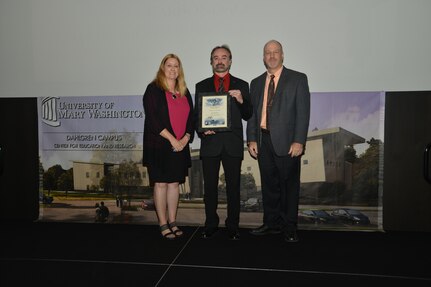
108 47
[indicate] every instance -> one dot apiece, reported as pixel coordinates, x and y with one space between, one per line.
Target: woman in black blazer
168 130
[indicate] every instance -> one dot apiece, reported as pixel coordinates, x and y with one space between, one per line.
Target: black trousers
232 170
280 176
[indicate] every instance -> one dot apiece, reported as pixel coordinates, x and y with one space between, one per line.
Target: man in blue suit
276 136
226 147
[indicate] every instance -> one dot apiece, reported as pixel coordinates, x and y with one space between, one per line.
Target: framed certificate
214 111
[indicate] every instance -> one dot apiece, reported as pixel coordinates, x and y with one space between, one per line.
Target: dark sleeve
302 110
153 109
252 123
196 110
190 128
246 107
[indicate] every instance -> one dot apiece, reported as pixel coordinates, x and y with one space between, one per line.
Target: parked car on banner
251 204
350 216
315 216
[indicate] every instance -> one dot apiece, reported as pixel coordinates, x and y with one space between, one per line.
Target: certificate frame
214 111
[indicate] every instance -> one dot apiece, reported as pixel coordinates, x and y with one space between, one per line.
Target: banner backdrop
91 151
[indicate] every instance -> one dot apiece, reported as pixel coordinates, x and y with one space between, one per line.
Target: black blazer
232 141
156 120
290 113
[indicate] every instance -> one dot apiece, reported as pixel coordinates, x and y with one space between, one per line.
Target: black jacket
232 141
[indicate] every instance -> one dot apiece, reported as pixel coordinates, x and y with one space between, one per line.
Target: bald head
273 42
273 56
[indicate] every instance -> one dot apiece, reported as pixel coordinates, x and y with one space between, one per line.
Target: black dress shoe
291 236
208 233
264 230
234 235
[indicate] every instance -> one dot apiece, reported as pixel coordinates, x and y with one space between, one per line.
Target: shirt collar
226 77
276 74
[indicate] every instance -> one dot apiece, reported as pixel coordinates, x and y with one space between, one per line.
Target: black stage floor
87 254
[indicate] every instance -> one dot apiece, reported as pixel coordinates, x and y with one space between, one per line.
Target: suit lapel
281 86
210 84
232 83
282 83
261 89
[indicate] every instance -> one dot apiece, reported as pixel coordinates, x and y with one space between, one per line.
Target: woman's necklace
174 94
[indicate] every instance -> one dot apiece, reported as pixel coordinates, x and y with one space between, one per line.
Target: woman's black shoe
168 235
178 232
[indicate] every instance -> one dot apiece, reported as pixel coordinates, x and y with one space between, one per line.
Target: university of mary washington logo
49 111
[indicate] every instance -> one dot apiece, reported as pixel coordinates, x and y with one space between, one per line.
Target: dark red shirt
226 82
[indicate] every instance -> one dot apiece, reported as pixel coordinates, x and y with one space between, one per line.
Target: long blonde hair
160 80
